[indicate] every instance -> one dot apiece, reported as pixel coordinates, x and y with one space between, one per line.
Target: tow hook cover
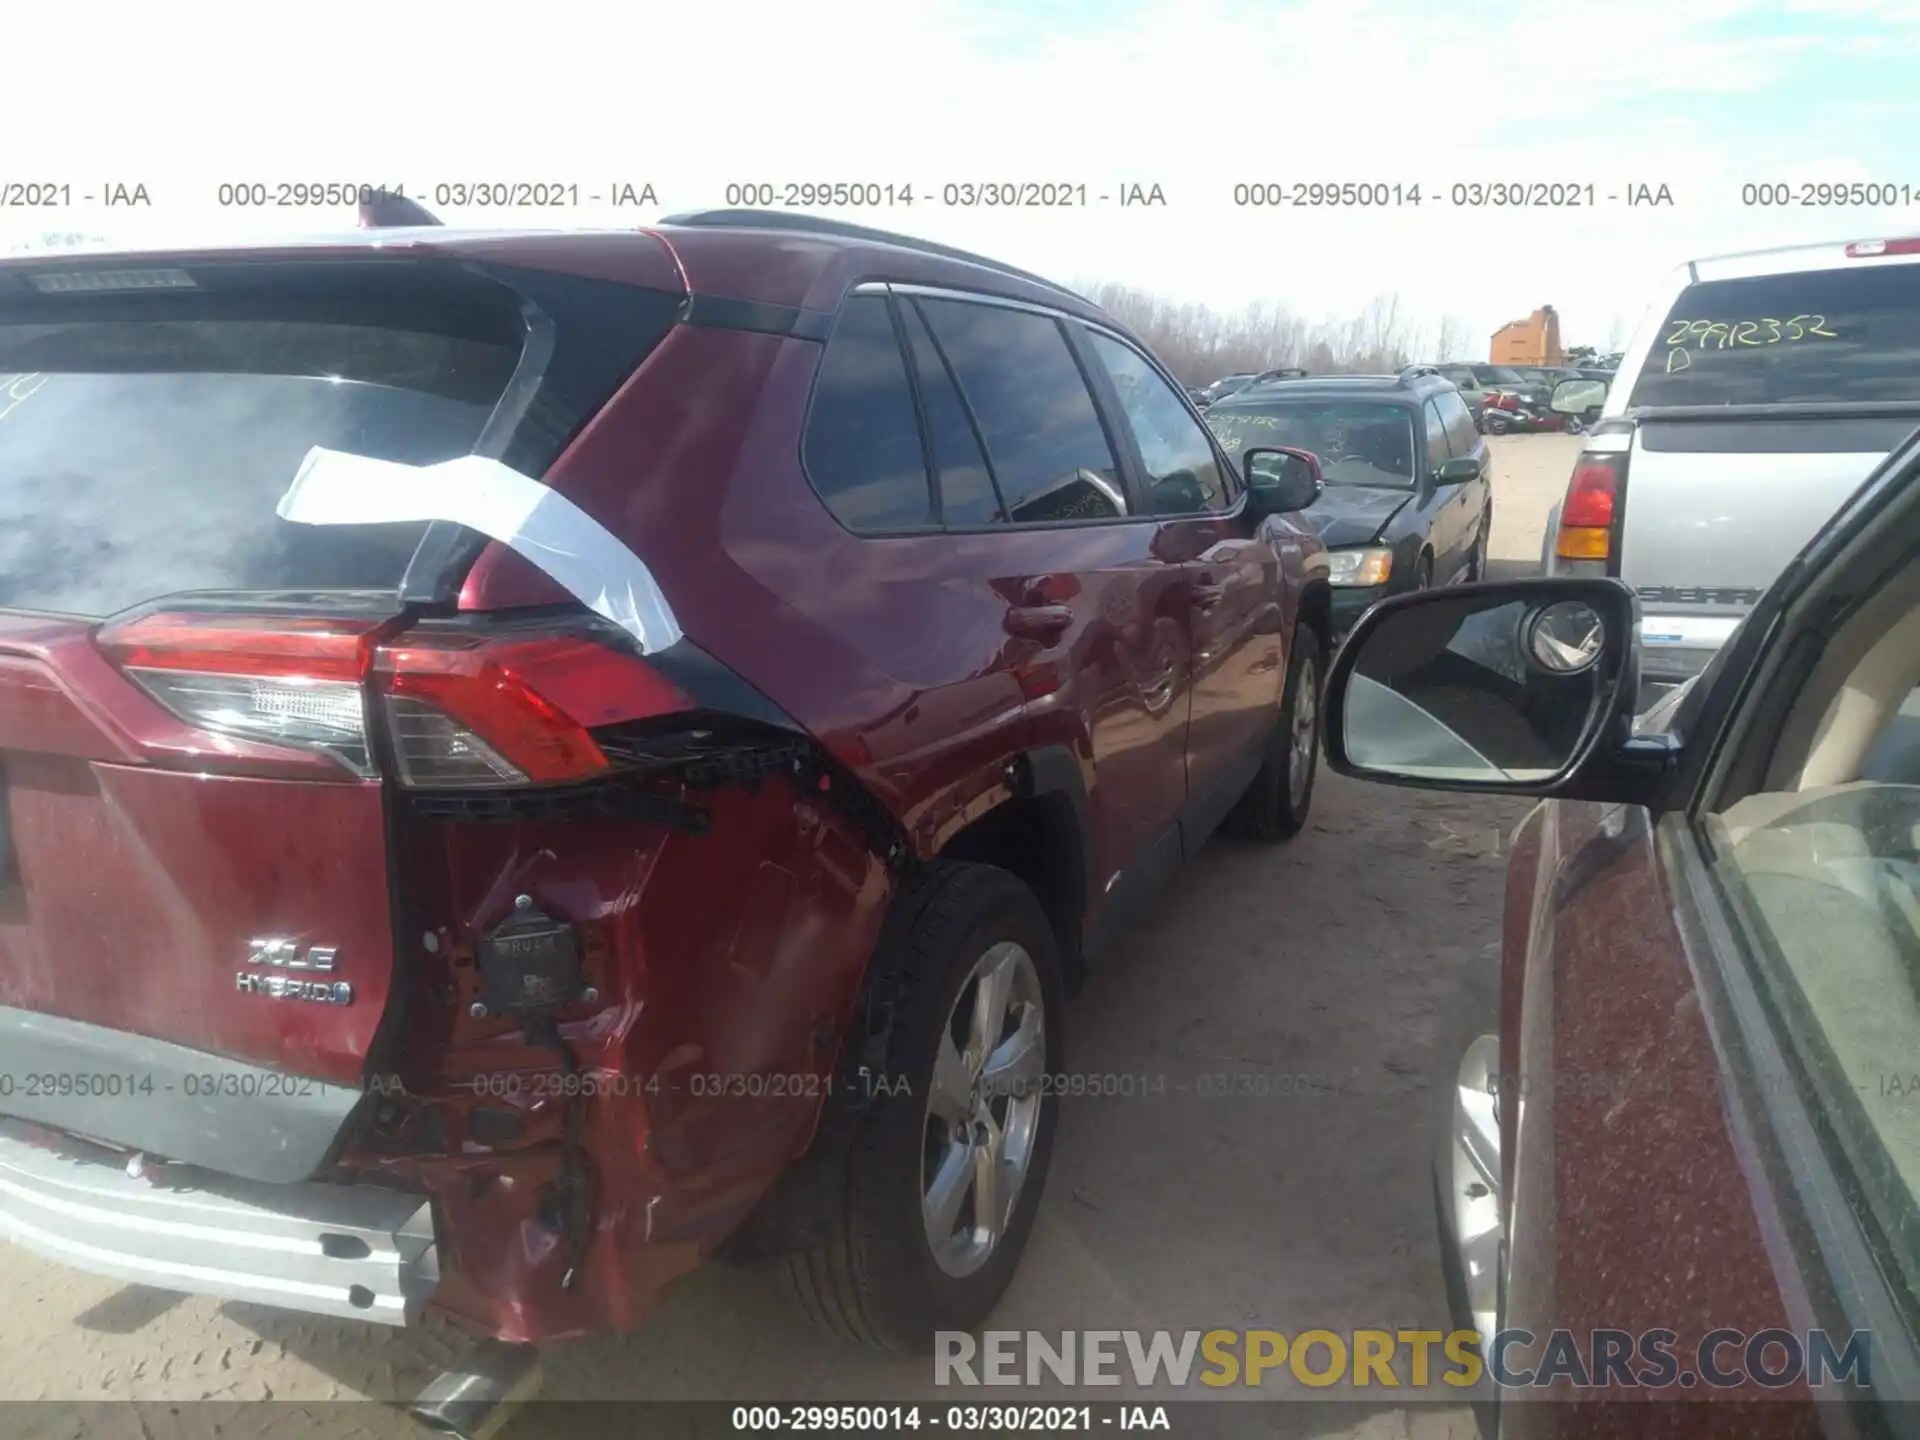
529 963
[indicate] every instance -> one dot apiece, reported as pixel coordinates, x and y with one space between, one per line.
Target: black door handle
1038 622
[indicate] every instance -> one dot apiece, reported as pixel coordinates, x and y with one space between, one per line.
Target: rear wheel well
1036 838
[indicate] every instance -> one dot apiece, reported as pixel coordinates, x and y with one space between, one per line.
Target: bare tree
1453 339
1200 344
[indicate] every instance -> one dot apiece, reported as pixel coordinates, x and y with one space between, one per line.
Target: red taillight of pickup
1590 509
442 705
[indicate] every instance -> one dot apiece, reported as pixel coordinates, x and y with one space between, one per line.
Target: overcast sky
1196 96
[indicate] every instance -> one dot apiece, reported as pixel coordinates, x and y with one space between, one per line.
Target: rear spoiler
384 210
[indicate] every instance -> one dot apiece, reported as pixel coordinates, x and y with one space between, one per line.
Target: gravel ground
1359 957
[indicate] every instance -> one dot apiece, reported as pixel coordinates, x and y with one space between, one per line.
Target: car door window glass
1825 877
862 443
1183 474
967 493
1436 435
1044 439
1462 438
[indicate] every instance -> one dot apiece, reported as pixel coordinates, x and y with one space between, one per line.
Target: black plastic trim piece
188 1105
723 312
713 686
597 799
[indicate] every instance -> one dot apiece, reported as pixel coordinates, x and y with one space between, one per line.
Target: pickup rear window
1812 337
146 437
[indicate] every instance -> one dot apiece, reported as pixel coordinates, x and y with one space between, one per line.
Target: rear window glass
116 487
146 437
1824 336
1357 442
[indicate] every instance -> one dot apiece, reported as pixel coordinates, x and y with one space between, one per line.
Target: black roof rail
1288 372
1414 372
802 224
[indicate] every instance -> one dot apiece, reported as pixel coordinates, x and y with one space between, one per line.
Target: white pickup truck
1758 393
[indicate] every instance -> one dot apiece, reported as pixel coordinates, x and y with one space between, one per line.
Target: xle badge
278 955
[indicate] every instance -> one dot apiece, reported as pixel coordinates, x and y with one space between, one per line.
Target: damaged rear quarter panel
727 962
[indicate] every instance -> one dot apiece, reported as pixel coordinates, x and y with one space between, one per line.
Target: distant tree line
1199 343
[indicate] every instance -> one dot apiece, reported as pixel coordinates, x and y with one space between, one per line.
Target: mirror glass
1282 481
1477 687
1576 397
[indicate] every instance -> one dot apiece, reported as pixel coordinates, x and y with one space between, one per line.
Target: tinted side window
967 494
1463 378
1436 435
1181 468
1043 435
1462 438
1828 335
862 443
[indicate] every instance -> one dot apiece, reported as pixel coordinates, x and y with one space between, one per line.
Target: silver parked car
1758 393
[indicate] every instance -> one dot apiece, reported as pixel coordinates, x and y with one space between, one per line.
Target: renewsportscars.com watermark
1517 1359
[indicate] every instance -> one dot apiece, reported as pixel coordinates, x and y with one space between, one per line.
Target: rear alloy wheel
1276 803
935 1194
983 1109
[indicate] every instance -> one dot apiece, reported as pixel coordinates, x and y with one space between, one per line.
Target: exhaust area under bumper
354 1251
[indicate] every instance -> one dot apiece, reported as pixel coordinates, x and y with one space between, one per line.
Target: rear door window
967 494
1462 438
1043 434
862 443
1822 336
1436 429
146 438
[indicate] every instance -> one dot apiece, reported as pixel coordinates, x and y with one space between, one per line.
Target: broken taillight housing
459 704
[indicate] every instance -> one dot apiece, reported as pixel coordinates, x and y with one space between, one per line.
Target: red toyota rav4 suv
529 756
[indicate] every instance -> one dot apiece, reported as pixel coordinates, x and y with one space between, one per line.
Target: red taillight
275 679
462 709
530 701
1586 514
317 648
1865 249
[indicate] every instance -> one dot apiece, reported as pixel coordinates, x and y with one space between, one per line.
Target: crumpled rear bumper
359 1252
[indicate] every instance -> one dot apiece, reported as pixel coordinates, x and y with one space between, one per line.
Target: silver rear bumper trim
354 1251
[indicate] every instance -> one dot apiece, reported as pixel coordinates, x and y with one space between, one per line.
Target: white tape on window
336 488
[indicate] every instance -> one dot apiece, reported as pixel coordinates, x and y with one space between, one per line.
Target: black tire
1273 807
871 1275
1423 572
1477 570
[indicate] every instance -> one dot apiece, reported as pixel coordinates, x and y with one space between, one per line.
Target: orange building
1532 341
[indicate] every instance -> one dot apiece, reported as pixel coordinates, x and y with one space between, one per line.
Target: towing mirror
1523 688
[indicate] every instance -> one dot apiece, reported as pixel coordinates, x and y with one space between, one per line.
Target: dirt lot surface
1339 974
